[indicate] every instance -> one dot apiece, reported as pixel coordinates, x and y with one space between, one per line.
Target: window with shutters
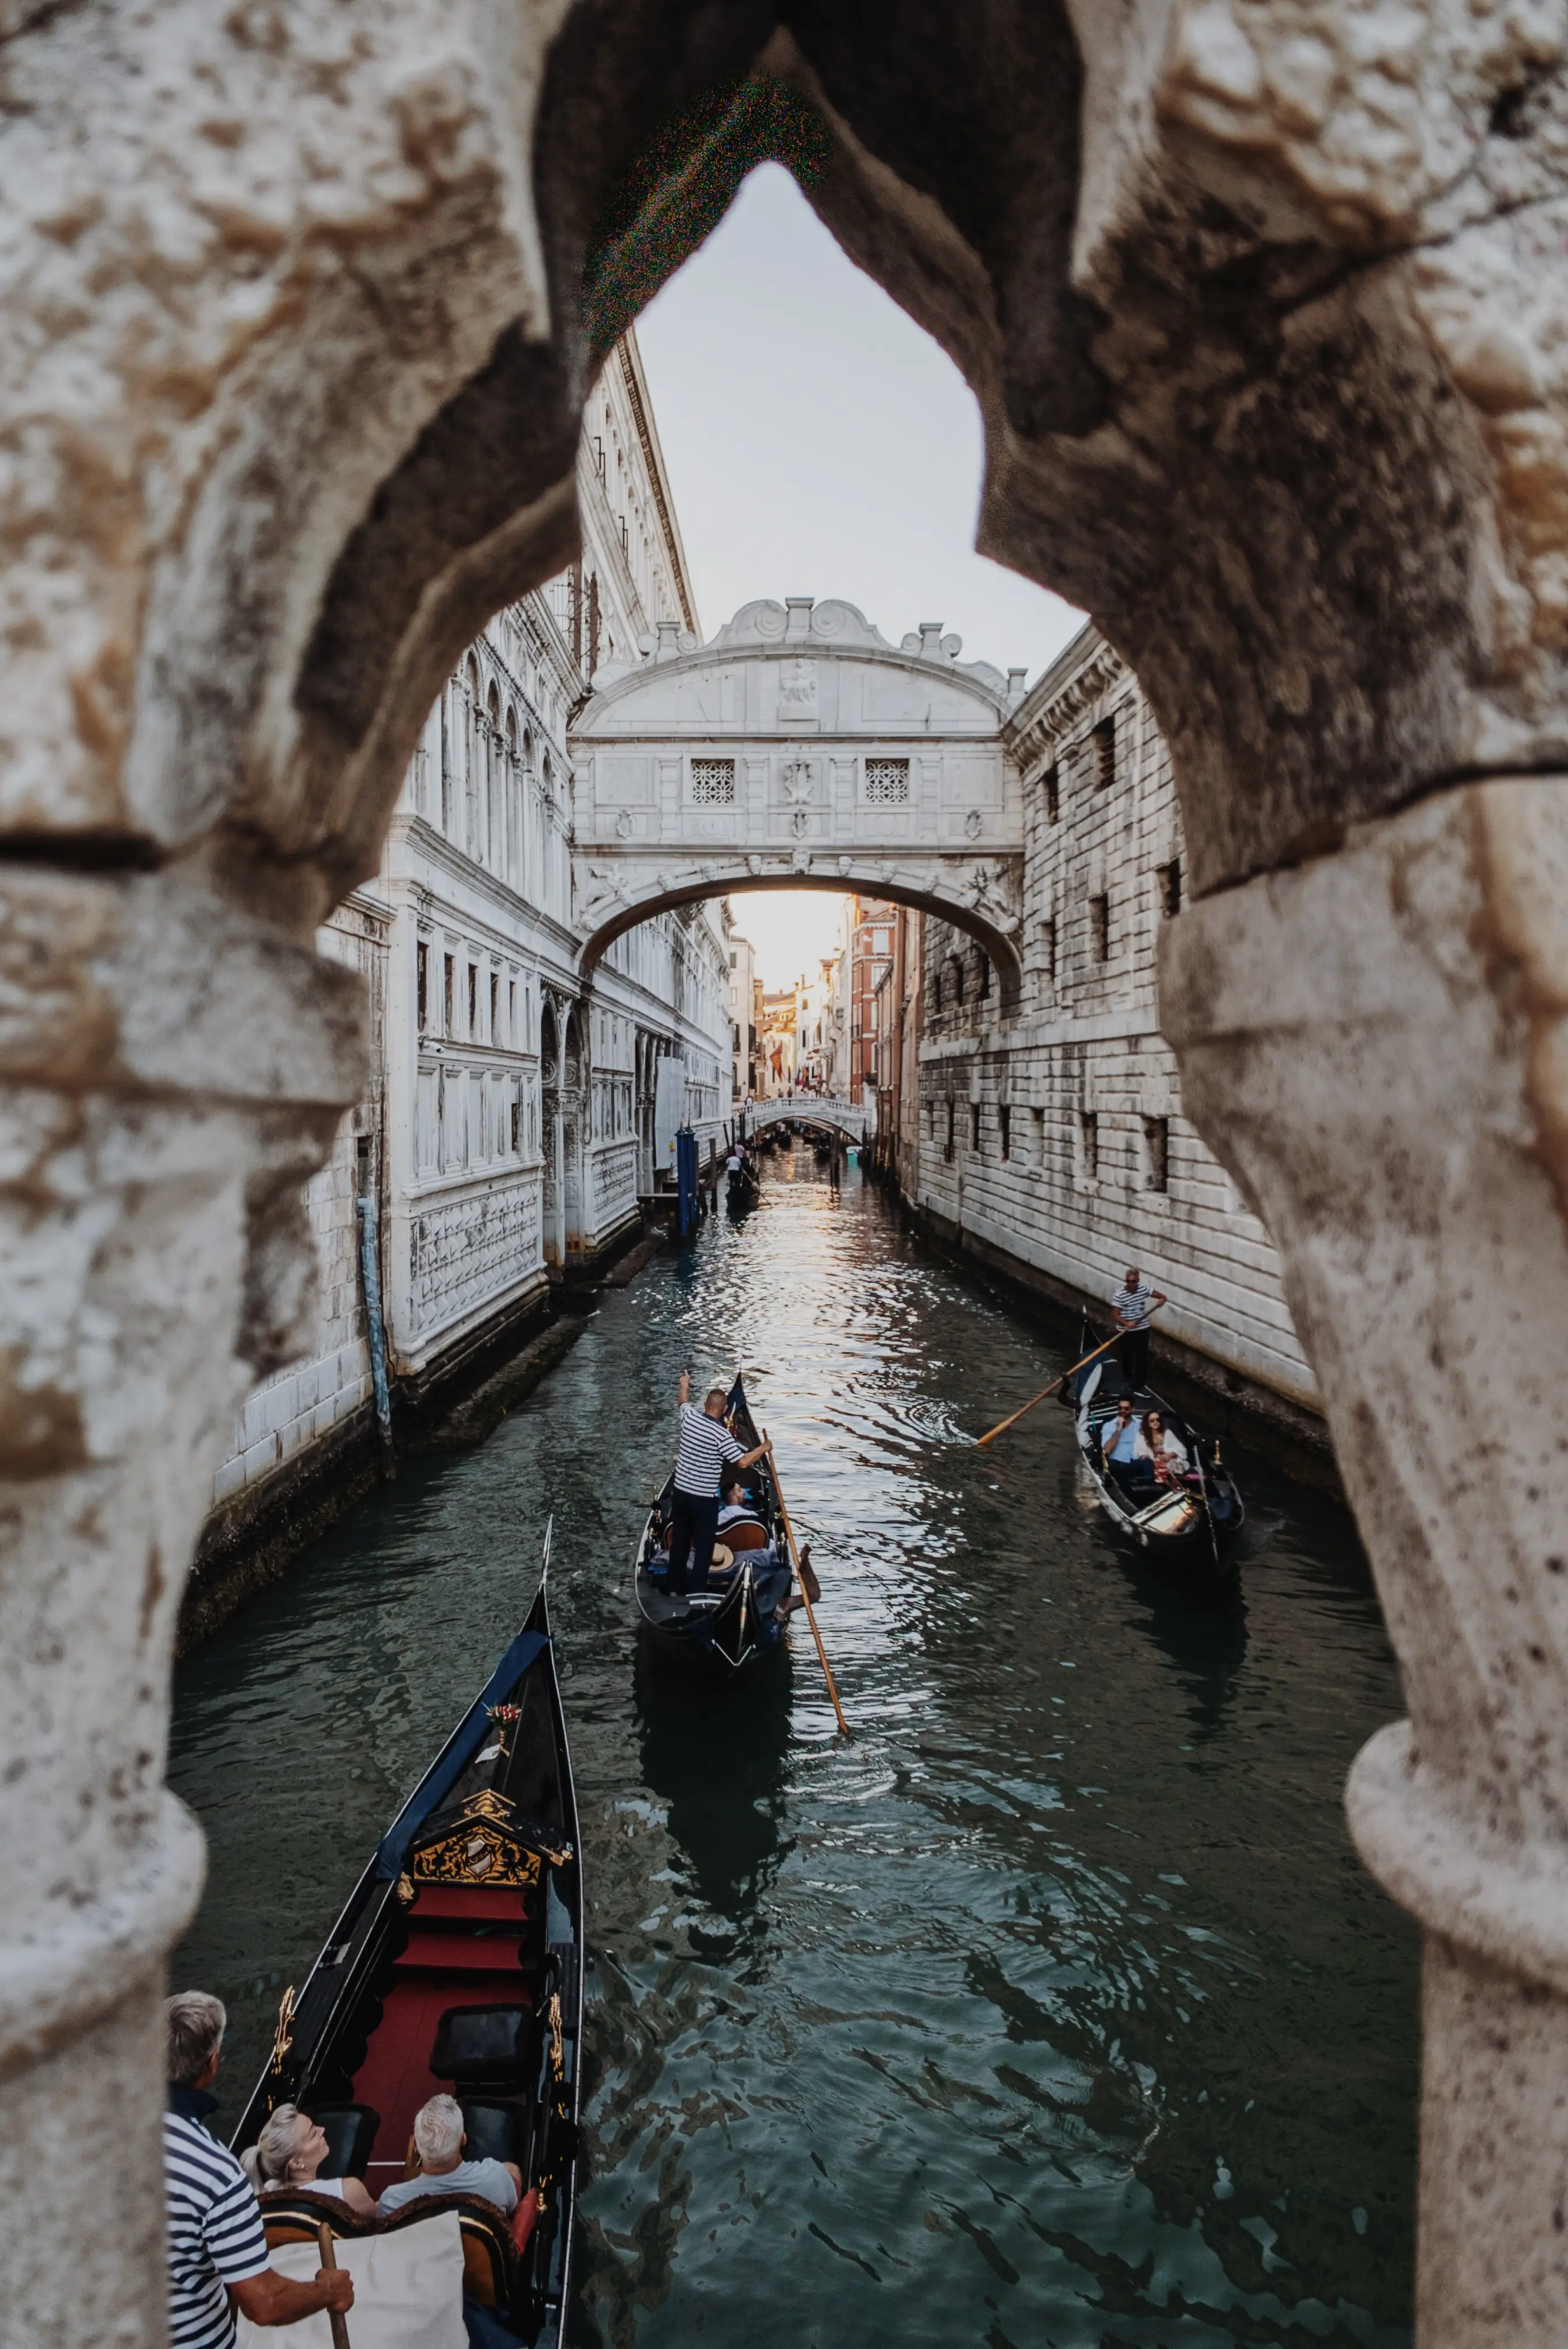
713 782
887 781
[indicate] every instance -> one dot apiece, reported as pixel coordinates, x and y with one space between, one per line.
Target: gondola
1190 1525
740 1616
741 1190
456 1966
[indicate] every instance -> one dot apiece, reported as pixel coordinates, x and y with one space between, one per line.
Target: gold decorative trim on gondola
474 1852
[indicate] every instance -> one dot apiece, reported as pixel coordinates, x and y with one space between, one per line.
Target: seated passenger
737 1509
289 2153
1166 1454
1122 1444
438 2141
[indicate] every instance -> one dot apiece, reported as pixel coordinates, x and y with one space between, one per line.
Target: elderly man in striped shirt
217 2258
707 1447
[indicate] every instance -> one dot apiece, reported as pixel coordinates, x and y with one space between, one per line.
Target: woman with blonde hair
288 2154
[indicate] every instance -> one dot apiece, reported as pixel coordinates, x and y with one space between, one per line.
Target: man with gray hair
218 2257
438 2141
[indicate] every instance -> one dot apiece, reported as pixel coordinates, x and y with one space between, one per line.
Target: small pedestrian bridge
847 1117
800 749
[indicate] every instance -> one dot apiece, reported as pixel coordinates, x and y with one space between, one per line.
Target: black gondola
456 1966
1190 1524
740 1615
741 1191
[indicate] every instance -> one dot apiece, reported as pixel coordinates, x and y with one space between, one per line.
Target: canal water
1052 2009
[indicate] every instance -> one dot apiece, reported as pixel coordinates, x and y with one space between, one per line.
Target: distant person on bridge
706 1448
1134 1303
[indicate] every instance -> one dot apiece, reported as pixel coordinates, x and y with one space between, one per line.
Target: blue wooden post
686 1182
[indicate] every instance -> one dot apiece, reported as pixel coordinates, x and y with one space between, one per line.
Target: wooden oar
795 1561
1002 1424
335 2316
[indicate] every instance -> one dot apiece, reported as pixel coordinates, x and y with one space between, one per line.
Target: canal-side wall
1051 1145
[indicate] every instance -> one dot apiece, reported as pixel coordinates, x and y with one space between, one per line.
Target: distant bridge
847 1117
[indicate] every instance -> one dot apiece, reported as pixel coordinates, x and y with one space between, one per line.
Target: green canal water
1054 2009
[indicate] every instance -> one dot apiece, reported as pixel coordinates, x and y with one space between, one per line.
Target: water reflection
723 1790
1055 2007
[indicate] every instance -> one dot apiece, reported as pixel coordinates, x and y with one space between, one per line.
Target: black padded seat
350 2135
496 2131
481 2048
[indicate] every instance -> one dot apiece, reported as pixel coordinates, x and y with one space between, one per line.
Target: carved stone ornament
974 824
796 780
626 824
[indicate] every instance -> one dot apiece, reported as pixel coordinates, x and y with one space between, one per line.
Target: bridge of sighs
800 749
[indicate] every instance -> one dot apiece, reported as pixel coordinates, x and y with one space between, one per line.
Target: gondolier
707 1447
1134 1303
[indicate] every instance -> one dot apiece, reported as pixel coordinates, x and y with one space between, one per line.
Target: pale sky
819 443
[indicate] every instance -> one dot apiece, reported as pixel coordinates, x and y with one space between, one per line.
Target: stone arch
997 943
1271 390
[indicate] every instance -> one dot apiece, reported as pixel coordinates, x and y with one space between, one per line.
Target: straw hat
722 1559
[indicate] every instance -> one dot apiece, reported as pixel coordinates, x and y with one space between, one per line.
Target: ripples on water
1054 2009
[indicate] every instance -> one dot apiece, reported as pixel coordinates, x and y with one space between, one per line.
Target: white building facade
508 1137
1052 1140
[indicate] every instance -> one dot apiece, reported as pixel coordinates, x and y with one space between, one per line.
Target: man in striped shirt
706 1448
217 2258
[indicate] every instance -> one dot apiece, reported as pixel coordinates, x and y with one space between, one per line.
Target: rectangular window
1005 1126
517 1122
1053 793
975 1126
1100 927
1157 1154
495 1008
1089 1145
1104 739
887 781
713 782
1038 1117
511 1012
1169 876
947 1150
936 988
447 983
473 998
984 962
422 985
1049 949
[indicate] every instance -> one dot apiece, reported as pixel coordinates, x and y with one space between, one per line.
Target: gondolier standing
1132 1305
707 1447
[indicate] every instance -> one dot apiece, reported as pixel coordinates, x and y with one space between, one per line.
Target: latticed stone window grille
887 779
713 782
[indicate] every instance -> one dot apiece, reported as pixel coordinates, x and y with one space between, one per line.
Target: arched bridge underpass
800 749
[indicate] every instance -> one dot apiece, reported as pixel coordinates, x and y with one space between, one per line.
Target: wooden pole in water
334 2317
1003 1423
795 1561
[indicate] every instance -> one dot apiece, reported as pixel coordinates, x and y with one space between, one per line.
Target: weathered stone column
172 1071
1377 1044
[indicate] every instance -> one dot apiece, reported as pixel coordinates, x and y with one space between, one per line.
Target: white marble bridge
846 1117
800 749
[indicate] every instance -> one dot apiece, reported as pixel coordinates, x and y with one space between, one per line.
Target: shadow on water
1052 2009
723 1789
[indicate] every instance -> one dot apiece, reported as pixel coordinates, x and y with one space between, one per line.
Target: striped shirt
1134 1305
706 1445
215 2232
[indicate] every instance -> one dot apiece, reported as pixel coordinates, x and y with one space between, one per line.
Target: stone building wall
1053 1139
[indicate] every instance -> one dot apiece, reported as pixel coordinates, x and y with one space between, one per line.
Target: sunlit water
1053 2009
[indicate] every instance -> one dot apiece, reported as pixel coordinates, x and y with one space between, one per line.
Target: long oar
334 2317
991 1433
795 1561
